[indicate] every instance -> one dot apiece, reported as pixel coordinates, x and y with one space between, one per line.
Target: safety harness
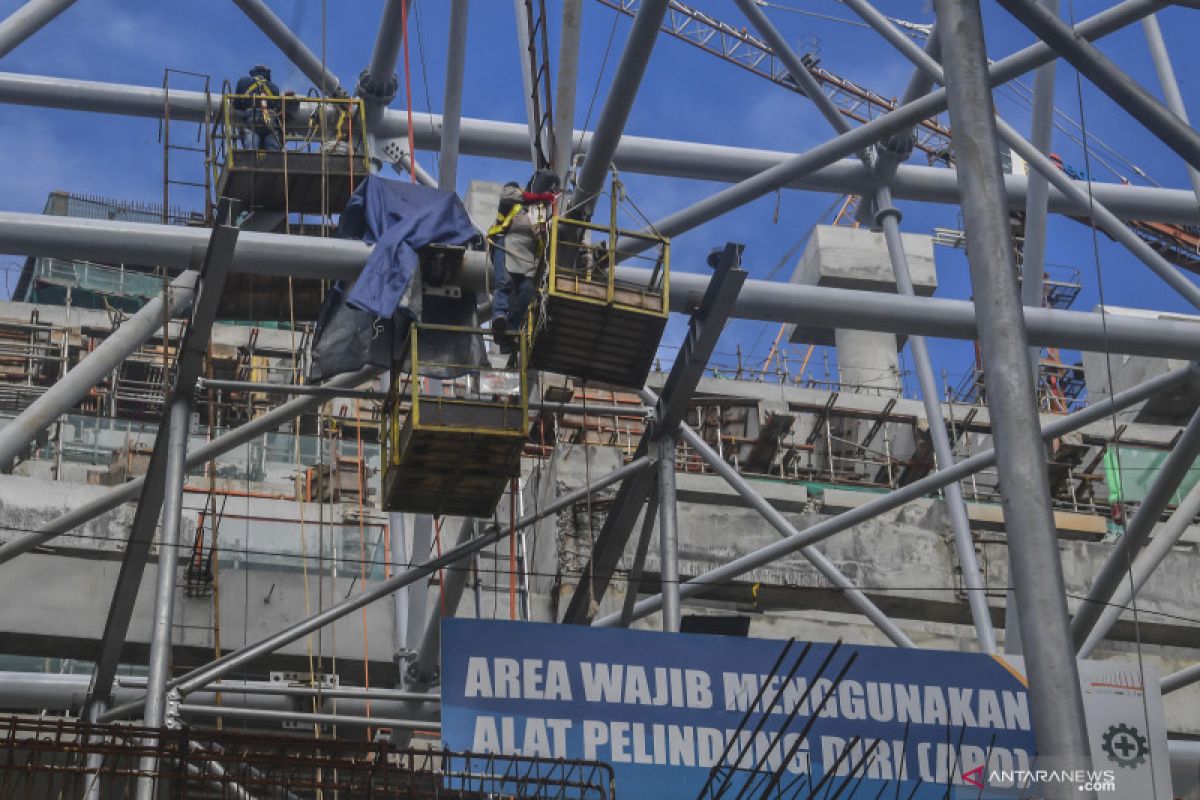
257 89
504 220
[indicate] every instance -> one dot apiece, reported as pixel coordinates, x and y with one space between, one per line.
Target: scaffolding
48 757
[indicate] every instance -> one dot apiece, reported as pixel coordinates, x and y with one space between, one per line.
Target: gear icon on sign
1125 745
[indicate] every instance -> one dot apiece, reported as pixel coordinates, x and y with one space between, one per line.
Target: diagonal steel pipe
1170 86
1181 679
28 20
1109 78
913 491
1137 533
888 217
165 477
610 125
291 46
1035 566
1084 200
206 674
867 134
850 592
1143 567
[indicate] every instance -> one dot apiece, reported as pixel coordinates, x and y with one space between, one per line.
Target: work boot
500 330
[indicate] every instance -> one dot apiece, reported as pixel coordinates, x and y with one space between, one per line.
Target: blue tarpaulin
399 219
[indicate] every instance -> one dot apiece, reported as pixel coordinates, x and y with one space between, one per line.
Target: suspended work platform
453 430
321 162
595 322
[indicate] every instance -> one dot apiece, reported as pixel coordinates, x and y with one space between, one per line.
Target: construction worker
257 107
517 243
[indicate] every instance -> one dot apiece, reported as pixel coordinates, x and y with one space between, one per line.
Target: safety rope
412 148
1137 630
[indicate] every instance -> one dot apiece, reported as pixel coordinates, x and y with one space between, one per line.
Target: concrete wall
56 600
1107 374
904 561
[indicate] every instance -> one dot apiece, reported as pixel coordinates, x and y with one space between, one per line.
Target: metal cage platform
315 172
593 321
452 432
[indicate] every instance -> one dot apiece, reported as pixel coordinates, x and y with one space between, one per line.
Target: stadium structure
260 539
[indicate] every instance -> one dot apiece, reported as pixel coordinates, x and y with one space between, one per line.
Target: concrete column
868 361
856 258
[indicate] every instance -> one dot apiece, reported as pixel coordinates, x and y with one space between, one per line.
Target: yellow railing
589 265
302 124
472 386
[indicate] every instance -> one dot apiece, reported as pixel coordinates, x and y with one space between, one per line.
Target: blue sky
686 95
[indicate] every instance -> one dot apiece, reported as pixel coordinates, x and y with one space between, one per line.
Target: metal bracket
171 718
322 680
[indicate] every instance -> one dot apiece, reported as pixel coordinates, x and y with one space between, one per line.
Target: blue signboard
676 715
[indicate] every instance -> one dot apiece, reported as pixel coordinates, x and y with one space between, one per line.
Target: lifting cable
1133 604
425 80
412 151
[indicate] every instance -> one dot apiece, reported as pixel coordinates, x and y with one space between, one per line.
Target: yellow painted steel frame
611 292
228 139
392 417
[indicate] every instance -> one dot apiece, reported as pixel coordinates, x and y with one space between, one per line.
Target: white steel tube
568 79
610 125
456 56
28 20
168 558
827 568
1115 568
1033 254
204 675
1143 567
636 154
1170 86
292 46
304 256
